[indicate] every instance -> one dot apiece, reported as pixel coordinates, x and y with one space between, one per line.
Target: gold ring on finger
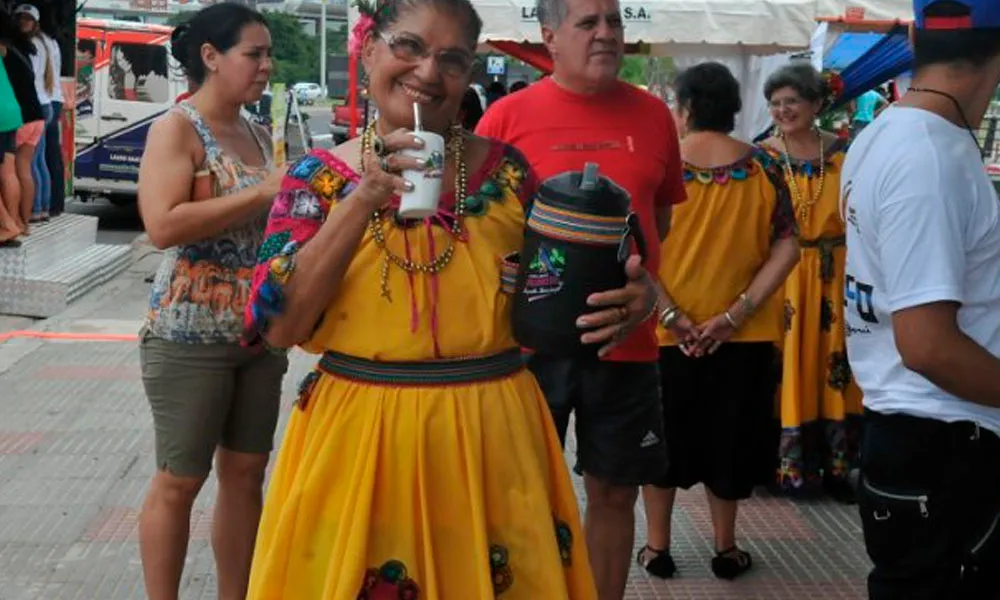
378 146
383 163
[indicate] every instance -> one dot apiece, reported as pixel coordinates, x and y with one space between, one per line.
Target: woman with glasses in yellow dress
820 402
421 460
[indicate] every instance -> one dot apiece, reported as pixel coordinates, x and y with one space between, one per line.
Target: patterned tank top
201 289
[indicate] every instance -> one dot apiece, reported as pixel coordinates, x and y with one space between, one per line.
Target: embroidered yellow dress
719 409
820 402
421 460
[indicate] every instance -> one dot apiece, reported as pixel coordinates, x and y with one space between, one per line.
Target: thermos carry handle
633 229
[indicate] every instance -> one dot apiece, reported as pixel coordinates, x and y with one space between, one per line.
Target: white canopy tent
758 26
752 37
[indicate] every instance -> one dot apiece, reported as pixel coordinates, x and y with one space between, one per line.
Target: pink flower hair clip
368 11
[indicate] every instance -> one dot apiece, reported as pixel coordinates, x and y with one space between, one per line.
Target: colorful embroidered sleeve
516 171
783 223
311 186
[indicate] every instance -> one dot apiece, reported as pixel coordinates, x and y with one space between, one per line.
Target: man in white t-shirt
923 317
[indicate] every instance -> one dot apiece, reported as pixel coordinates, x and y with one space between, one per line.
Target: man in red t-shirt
583 113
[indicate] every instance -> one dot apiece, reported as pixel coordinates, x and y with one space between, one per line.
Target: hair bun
178 48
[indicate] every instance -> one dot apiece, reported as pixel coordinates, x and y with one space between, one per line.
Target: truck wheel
121 199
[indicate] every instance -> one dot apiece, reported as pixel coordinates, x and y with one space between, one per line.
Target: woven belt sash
561 224
423 373
825 246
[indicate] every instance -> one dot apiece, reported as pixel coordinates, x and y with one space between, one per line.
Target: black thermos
576 241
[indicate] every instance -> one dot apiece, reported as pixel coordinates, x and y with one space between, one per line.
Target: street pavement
76 453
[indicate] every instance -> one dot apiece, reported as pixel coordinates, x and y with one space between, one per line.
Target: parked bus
125 79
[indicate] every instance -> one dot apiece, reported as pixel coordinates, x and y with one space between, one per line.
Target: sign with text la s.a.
631 13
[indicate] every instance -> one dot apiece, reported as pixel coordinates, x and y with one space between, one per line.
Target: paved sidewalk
76 455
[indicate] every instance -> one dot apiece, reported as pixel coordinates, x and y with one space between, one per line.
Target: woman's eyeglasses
779 103
452 63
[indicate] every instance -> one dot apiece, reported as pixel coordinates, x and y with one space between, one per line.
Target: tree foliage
639 69
296 53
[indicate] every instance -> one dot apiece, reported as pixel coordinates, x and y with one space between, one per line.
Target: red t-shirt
628 132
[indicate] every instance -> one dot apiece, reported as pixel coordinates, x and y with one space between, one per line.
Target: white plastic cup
422 201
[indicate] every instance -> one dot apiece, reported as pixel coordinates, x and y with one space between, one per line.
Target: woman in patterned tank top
206 184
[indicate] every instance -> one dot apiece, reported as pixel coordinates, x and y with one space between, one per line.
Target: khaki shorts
208 395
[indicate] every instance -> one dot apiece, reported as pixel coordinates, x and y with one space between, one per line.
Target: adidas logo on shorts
650 440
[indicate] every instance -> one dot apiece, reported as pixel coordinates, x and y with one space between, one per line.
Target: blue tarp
848 48
889 57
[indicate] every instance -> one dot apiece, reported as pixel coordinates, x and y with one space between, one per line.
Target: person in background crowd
471 110
264 106
864 109
53 138
923 312
820 402
494 91
206 183
10 122
17 178
583 113
45 82
730 248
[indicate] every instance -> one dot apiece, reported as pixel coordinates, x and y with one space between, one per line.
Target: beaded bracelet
669 316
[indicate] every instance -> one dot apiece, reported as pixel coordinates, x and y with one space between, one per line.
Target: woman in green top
10 121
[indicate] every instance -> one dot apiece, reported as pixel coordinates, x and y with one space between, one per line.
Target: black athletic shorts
8 142
619 416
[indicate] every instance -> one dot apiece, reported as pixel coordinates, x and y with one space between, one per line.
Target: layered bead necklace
456 148
805 206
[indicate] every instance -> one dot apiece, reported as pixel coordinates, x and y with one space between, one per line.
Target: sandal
731 563
12 243
657 563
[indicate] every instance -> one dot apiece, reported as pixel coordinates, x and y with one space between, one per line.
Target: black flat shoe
657 563
730 564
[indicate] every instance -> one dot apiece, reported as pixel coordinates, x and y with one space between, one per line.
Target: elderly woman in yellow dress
820 403
421 460
730 248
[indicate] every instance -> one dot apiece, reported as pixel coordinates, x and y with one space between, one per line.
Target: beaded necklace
804 206
456 147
